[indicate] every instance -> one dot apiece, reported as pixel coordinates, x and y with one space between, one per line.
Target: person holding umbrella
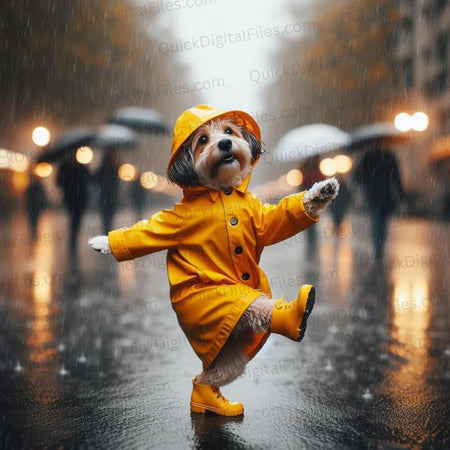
311 173
378 174
306 145
73 178
35 203
138 196
111 138
341 204
108 182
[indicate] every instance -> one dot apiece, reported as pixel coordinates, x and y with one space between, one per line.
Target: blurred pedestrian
73 178
340 205
35 203
138 195
108 185
378 174
311 174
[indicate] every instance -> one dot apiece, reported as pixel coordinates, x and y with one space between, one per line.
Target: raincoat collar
212 193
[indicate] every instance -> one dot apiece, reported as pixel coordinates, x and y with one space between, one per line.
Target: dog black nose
225 144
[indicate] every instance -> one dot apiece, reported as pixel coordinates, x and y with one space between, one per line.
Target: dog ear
182 171
254 143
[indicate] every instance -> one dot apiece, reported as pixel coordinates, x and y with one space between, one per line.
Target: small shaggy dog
215 238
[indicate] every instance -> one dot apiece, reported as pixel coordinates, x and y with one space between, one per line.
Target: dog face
219 155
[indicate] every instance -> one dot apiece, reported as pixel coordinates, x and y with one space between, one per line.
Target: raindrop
329 367
82 359
367 395
63 371
362 313
351 373
333 329
18 368
61 347
447 351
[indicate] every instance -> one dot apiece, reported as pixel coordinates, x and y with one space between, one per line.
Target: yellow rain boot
289 319
208 398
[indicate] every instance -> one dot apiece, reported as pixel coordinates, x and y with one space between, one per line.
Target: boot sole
309 307
202 409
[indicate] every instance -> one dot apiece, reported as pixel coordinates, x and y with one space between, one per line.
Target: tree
342 71
73 63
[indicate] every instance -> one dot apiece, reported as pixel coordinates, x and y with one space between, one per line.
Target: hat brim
240 118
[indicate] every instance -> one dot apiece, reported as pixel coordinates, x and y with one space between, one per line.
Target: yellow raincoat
214 241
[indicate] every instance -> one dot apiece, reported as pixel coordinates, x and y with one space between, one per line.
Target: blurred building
422 51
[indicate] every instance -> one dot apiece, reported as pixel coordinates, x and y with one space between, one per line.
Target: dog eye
203 139
228 131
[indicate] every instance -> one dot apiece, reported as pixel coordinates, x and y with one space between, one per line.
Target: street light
84 155
418 121
149 180
43 169
294 177
127 172
41 136
402 121
328 167
343 163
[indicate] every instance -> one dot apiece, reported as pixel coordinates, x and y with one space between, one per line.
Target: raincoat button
245 276
227 191
233 221
238 250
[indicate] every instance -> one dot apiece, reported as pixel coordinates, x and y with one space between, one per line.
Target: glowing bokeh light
43 169
40 136
419 121
128 172
328 167
294 177
149 180
402 121
343 163
84 155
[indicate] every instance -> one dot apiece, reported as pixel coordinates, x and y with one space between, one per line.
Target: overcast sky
229 41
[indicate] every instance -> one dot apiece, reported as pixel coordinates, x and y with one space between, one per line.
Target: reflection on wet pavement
92 355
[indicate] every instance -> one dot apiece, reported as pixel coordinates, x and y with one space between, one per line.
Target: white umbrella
376 132
308 141
140 119
116 136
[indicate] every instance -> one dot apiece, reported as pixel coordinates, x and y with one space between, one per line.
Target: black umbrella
66 142
114 137
380 132
140 119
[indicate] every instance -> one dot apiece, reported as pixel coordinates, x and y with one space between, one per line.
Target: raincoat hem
227 328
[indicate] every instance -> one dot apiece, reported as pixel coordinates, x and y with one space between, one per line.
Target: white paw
100 244
317 198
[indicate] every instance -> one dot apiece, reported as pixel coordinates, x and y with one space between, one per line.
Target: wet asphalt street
95 358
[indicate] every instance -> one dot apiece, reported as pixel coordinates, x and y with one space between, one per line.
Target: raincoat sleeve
160 232
274 223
